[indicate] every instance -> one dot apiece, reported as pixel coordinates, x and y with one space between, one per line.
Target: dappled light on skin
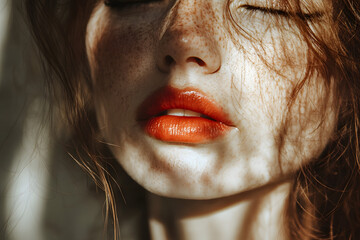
251 153
238 119
189 44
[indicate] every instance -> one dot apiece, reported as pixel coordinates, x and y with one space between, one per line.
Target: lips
182 116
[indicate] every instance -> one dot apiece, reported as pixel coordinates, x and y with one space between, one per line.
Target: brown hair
325 199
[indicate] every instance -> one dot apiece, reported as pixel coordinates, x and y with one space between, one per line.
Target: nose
188 40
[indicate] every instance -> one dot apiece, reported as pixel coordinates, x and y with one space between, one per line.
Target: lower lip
185 129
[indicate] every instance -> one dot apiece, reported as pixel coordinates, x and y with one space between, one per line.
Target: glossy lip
182 129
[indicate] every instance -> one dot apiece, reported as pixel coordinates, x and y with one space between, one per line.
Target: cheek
119 56
310 122
296 116
265 78
304 115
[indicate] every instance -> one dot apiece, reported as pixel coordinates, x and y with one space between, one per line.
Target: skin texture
139 49
135 51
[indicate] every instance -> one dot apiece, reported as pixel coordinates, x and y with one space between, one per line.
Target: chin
199 172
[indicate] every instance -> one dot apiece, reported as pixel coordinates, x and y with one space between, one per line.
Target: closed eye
284 13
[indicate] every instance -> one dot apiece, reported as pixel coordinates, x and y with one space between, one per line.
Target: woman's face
193 107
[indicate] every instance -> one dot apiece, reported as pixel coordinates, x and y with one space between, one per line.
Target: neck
257 214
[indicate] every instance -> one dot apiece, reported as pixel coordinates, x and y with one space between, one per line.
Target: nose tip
208 66
189 54
188 44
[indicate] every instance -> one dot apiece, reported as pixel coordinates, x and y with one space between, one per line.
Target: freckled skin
191 44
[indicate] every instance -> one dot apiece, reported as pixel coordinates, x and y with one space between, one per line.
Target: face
196 104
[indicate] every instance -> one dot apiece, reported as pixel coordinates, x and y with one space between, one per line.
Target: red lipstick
202 119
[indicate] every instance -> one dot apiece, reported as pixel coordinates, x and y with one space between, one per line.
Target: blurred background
43 195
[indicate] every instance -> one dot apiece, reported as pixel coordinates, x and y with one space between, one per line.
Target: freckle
220 188
205 179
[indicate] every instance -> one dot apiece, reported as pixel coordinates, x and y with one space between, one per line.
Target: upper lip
188 98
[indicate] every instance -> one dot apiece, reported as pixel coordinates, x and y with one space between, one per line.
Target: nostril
197 60
169 60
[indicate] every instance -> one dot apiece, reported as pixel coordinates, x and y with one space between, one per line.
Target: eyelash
265 10
282 13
